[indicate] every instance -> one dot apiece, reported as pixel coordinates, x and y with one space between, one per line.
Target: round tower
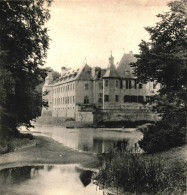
111 86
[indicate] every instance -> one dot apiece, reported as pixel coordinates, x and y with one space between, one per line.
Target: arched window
86 100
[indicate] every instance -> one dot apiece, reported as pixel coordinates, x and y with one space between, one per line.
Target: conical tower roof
111 70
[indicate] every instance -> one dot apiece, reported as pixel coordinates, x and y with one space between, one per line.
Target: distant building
86 89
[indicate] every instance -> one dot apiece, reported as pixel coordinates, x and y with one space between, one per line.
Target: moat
91 139
66 179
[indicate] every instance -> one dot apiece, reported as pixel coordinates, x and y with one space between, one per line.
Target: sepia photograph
93 97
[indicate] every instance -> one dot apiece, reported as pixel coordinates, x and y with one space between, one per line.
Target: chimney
63 70
130 52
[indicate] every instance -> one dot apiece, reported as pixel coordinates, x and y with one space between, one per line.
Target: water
48 180
64 179
89 139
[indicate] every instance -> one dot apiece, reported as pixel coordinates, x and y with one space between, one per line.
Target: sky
88 30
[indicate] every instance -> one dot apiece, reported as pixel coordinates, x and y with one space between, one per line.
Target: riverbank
158 173
46 151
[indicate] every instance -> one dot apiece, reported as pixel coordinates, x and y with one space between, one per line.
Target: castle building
86 89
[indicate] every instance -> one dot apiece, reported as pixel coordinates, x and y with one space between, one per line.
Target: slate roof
83 73
124 69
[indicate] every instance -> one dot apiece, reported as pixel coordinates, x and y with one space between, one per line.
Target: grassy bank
129 173
46 151
11 143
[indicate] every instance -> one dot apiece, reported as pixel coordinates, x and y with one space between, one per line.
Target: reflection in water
44 180
91 140
106 145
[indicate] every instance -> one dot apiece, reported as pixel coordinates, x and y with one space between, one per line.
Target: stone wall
84 116
124 115
84 113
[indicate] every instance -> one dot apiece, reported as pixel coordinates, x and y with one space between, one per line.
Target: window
134 99
147 98
127 98
86 86
121 84
140 86
117 98
127 84
70 99
106 98
86 100
106 83
100 98
140 99
73 99
100 85
71 87
135 84
117 83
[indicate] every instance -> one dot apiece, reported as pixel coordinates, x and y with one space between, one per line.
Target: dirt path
46 151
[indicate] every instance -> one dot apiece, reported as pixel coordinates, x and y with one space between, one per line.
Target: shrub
165 134
10 144
140 174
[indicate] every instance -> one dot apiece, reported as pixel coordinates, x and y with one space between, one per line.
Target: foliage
133 173
55 74
164 59
23 48
162 136
10 144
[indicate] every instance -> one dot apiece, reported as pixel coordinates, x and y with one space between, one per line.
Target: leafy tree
55 74
164 59
23 48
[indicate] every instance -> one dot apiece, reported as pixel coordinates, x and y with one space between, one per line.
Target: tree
23 48
55 74
164 59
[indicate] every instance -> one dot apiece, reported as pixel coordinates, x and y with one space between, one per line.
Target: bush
140 174
165 134
10 144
